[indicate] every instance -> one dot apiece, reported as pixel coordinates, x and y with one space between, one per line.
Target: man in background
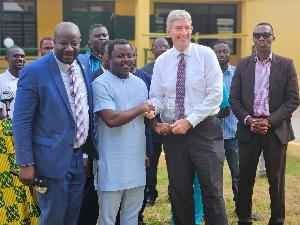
159 46
264 93
15 57
46 45
97 34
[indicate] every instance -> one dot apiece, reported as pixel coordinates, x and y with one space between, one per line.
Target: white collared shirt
8 83
203 82
65 73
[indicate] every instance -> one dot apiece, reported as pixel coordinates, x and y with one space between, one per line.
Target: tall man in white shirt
15 57
187 87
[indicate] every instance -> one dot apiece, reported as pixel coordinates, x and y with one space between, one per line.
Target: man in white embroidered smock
119 107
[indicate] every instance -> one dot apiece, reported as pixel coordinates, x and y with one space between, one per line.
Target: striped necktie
78 108
180 87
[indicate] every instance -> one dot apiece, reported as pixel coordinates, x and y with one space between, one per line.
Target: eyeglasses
265 35
161 47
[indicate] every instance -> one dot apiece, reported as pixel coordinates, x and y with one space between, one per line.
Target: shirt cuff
245 120
28 164
85 156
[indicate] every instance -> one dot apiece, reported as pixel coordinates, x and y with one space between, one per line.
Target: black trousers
275 157
152 192
89 211
200 149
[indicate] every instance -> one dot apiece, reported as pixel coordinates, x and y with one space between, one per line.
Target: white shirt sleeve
156 93
214 91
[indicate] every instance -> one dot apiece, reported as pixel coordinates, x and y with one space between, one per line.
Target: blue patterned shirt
94 61
230 122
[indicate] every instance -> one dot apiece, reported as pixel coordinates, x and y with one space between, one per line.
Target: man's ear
40 50
168 32
89 40
6 58
101 58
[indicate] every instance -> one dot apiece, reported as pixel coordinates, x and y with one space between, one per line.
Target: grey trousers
200 149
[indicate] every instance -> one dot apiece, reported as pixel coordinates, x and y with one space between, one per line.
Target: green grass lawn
160 213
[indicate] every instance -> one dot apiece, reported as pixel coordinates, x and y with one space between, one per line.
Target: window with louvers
18 21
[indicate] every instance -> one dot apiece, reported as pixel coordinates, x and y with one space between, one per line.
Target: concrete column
142 24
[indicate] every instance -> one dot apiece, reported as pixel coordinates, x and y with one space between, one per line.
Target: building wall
282 15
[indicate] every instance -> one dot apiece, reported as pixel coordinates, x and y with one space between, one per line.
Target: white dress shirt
65 73
8 83
203 82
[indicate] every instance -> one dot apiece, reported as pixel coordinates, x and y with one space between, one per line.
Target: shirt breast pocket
196 79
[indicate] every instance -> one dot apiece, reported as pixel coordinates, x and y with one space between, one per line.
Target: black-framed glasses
161 47
265 35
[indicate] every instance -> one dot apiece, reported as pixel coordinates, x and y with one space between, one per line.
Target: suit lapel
250 78
56 75
275 65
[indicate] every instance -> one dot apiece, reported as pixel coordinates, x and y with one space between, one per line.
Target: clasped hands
150 110
259 125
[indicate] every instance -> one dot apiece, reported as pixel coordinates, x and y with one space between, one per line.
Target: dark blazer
96 73
43 123
283 96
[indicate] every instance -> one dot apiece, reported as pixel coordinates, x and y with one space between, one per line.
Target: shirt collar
269 59
10 76
62 66
187 51
104 70
91 54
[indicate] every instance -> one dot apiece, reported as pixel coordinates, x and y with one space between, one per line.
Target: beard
223 63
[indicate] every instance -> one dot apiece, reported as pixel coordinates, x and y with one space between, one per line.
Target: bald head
159 46
66 42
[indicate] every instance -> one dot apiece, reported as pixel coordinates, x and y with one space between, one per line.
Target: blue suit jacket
43 124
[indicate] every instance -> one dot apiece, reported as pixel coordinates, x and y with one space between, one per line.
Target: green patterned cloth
18 203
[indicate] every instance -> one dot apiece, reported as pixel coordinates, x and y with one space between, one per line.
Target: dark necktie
180 87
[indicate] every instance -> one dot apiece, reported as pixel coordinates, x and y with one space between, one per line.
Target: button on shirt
8 83
203 82
261 86
230 122
65 73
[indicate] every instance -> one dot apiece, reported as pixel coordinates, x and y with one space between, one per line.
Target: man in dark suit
264 93
52 120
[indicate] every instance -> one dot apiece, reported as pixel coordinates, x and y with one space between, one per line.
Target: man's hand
181 126
163 129
260 126
147 161
86 164
150 115
26 175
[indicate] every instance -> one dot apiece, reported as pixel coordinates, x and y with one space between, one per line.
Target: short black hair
265 24
44 39
94 27
10 49
116 42
102 46
220 42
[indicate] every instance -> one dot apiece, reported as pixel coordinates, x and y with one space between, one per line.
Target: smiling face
263 45
15 59
97 36
180 33
67 43
121 60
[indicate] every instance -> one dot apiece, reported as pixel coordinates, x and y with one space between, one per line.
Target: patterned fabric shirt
261 87
94 61
230 122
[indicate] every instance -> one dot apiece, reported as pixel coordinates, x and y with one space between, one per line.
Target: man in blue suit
52 120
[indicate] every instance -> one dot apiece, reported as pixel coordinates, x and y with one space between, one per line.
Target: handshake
149 110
